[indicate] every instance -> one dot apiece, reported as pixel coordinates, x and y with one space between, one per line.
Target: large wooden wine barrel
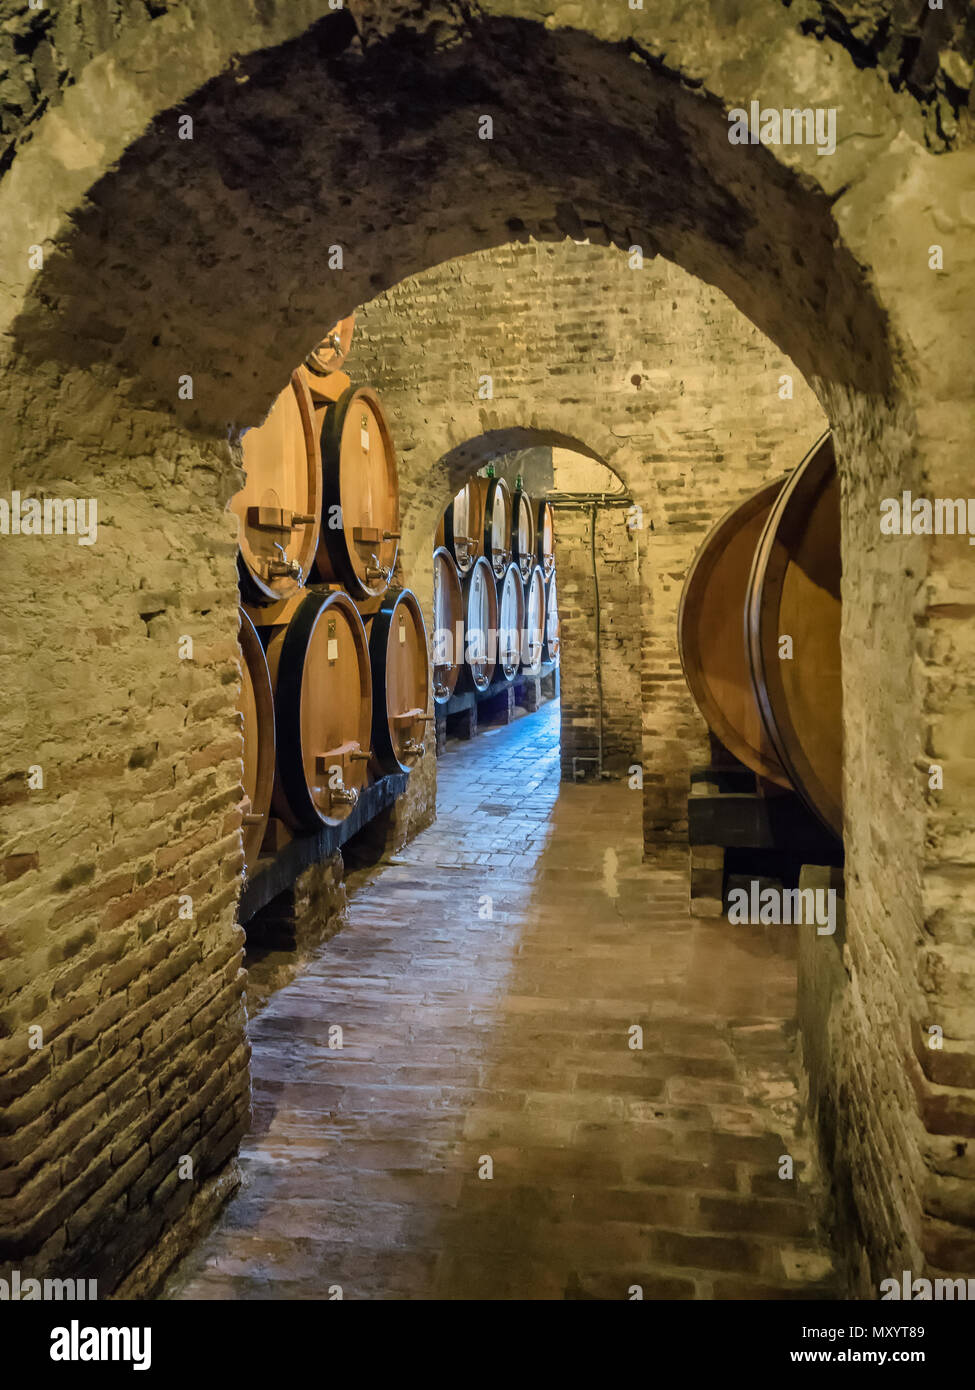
545 539
448 626
480 625
522 532
332 351
711 634
359 535
794 592
511 622
496 510
534 628
256 707
552 644
320 672
461 529
400 681
280 504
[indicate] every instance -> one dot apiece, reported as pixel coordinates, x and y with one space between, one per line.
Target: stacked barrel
335 671
759 633
495 596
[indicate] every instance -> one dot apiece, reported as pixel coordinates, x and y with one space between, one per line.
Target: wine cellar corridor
487 753
487 999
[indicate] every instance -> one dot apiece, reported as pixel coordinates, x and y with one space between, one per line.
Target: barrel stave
448 626
359 537
320 672
279 506
400 670
480 625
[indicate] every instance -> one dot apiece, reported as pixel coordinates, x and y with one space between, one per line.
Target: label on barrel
364 432
402 628
333 641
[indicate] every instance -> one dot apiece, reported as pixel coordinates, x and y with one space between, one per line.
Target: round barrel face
463 526
553 637
448 626
523 534
545 539
497 529
534 631
256 707
794 615
511 617
464 552
279 505
360 525
480 623
711 634
323 703
332 351
403 667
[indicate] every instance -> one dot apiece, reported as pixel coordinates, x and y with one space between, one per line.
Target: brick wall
122 1047
828 256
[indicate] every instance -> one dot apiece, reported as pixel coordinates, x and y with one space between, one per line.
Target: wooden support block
498 706
528 693
463 724
276 836
707 871
707 880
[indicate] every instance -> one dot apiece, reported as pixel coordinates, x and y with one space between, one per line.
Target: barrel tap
378 571
279 569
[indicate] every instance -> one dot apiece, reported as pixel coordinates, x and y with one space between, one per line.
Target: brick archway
168 259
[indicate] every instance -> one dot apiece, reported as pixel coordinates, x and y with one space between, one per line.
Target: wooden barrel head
256 707
522 532
463 526
448 626
711 634
280 504
511 621
359 536
553 631
794 592
545 539
534 636
480 624
400 681
332 351
320 672
497 524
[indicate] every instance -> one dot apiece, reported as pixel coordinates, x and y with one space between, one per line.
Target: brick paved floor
499 1029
